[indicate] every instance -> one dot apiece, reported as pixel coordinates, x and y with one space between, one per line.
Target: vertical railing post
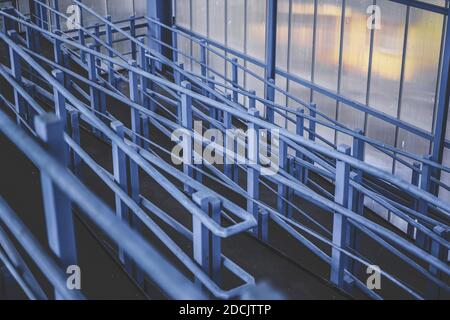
270 96
66 63
425 184
300 131
126 174
16 71
229 152
93 76
133 35
144 65
57 48
60 100
203 61
292 170
73 127
213 112
109 41
186 122
235 79
356 198
134 96
440 130
440 252
312 123
174 44
282 189
81 34
178 80
271 45
56 16
342 186
415 180
253 172
207 246
57 205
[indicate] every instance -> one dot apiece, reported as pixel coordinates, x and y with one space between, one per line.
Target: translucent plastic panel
422 60
283 34
183 13
216 21
355 51
140 8
327 42
99 6
256 29
387 58
280 99
184 45
120 9
217 64
381 131
327 106
351 118
235 24
196 51
199 22
302 37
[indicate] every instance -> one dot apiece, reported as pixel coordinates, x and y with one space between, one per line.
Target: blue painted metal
302 158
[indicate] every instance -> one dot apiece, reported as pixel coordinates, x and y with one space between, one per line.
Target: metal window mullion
341 50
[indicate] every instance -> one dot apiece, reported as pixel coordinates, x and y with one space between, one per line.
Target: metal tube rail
156 267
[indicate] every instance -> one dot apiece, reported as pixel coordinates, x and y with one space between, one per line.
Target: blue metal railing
151 91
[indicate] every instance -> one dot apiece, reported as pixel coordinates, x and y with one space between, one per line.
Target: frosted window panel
217 64
352 119
140 8
216 21
241 78
24 5
184 47
381 131
356 47
413 144
235 24
196 55
299 92
256 29
302 38
123 46
99 6
183 13
327 42
326 106
283 34
421 68
378 158
120 9
280 99
387 58
199 22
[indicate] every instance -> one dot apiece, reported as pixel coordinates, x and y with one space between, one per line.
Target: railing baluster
207 246
186 122
342 185
126 174
57 206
